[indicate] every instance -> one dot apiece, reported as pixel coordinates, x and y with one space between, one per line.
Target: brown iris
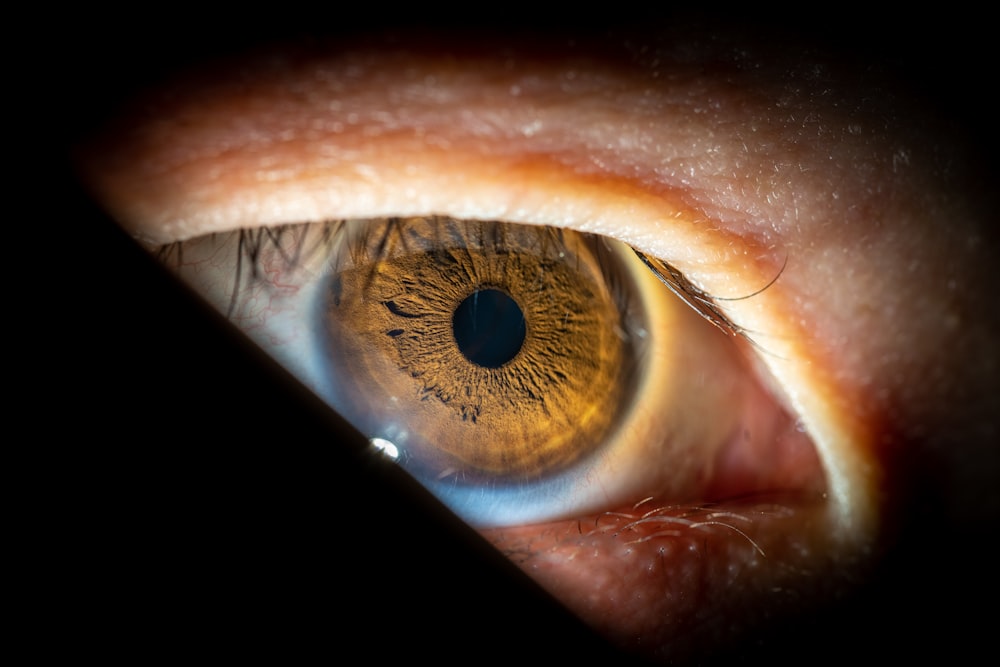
485 350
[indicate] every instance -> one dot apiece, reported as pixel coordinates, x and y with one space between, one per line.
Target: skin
875 335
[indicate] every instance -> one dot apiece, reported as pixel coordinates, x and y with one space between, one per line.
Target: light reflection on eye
615 391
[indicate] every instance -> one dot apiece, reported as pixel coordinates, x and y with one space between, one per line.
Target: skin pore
716 155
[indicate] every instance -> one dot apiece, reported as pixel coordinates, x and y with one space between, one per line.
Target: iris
488 352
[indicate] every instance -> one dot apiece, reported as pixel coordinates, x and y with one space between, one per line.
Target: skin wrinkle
743 186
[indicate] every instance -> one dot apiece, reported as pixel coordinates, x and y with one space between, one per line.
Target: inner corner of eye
521 373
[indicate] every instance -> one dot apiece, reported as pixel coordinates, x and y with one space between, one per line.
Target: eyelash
253 242
699 300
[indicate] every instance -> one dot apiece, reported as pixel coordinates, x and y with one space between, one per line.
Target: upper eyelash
252 242
696 298
251 245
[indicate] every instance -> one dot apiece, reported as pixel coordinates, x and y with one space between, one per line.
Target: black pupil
489 328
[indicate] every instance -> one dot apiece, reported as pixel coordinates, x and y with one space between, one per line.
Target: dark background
197 504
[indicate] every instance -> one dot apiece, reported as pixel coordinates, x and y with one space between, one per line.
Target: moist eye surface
522 373
487 352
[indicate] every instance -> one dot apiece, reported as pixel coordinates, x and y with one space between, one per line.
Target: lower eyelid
670 576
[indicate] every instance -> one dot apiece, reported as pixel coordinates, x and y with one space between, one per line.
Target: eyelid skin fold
739 181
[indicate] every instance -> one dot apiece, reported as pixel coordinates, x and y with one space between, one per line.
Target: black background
197 504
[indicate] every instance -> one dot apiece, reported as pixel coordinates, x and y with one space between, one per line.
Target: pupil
489 328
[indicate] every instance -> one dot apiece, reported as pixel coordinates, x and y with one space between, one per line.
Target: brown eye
522 373
486 352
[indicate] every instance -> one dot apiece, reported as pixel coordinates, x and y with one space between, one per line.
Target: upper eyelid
737 189
741 150
666 139
190 155
232 153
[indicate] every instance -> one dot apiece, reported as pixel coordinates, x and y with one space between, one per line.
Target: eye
727 467
521 373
